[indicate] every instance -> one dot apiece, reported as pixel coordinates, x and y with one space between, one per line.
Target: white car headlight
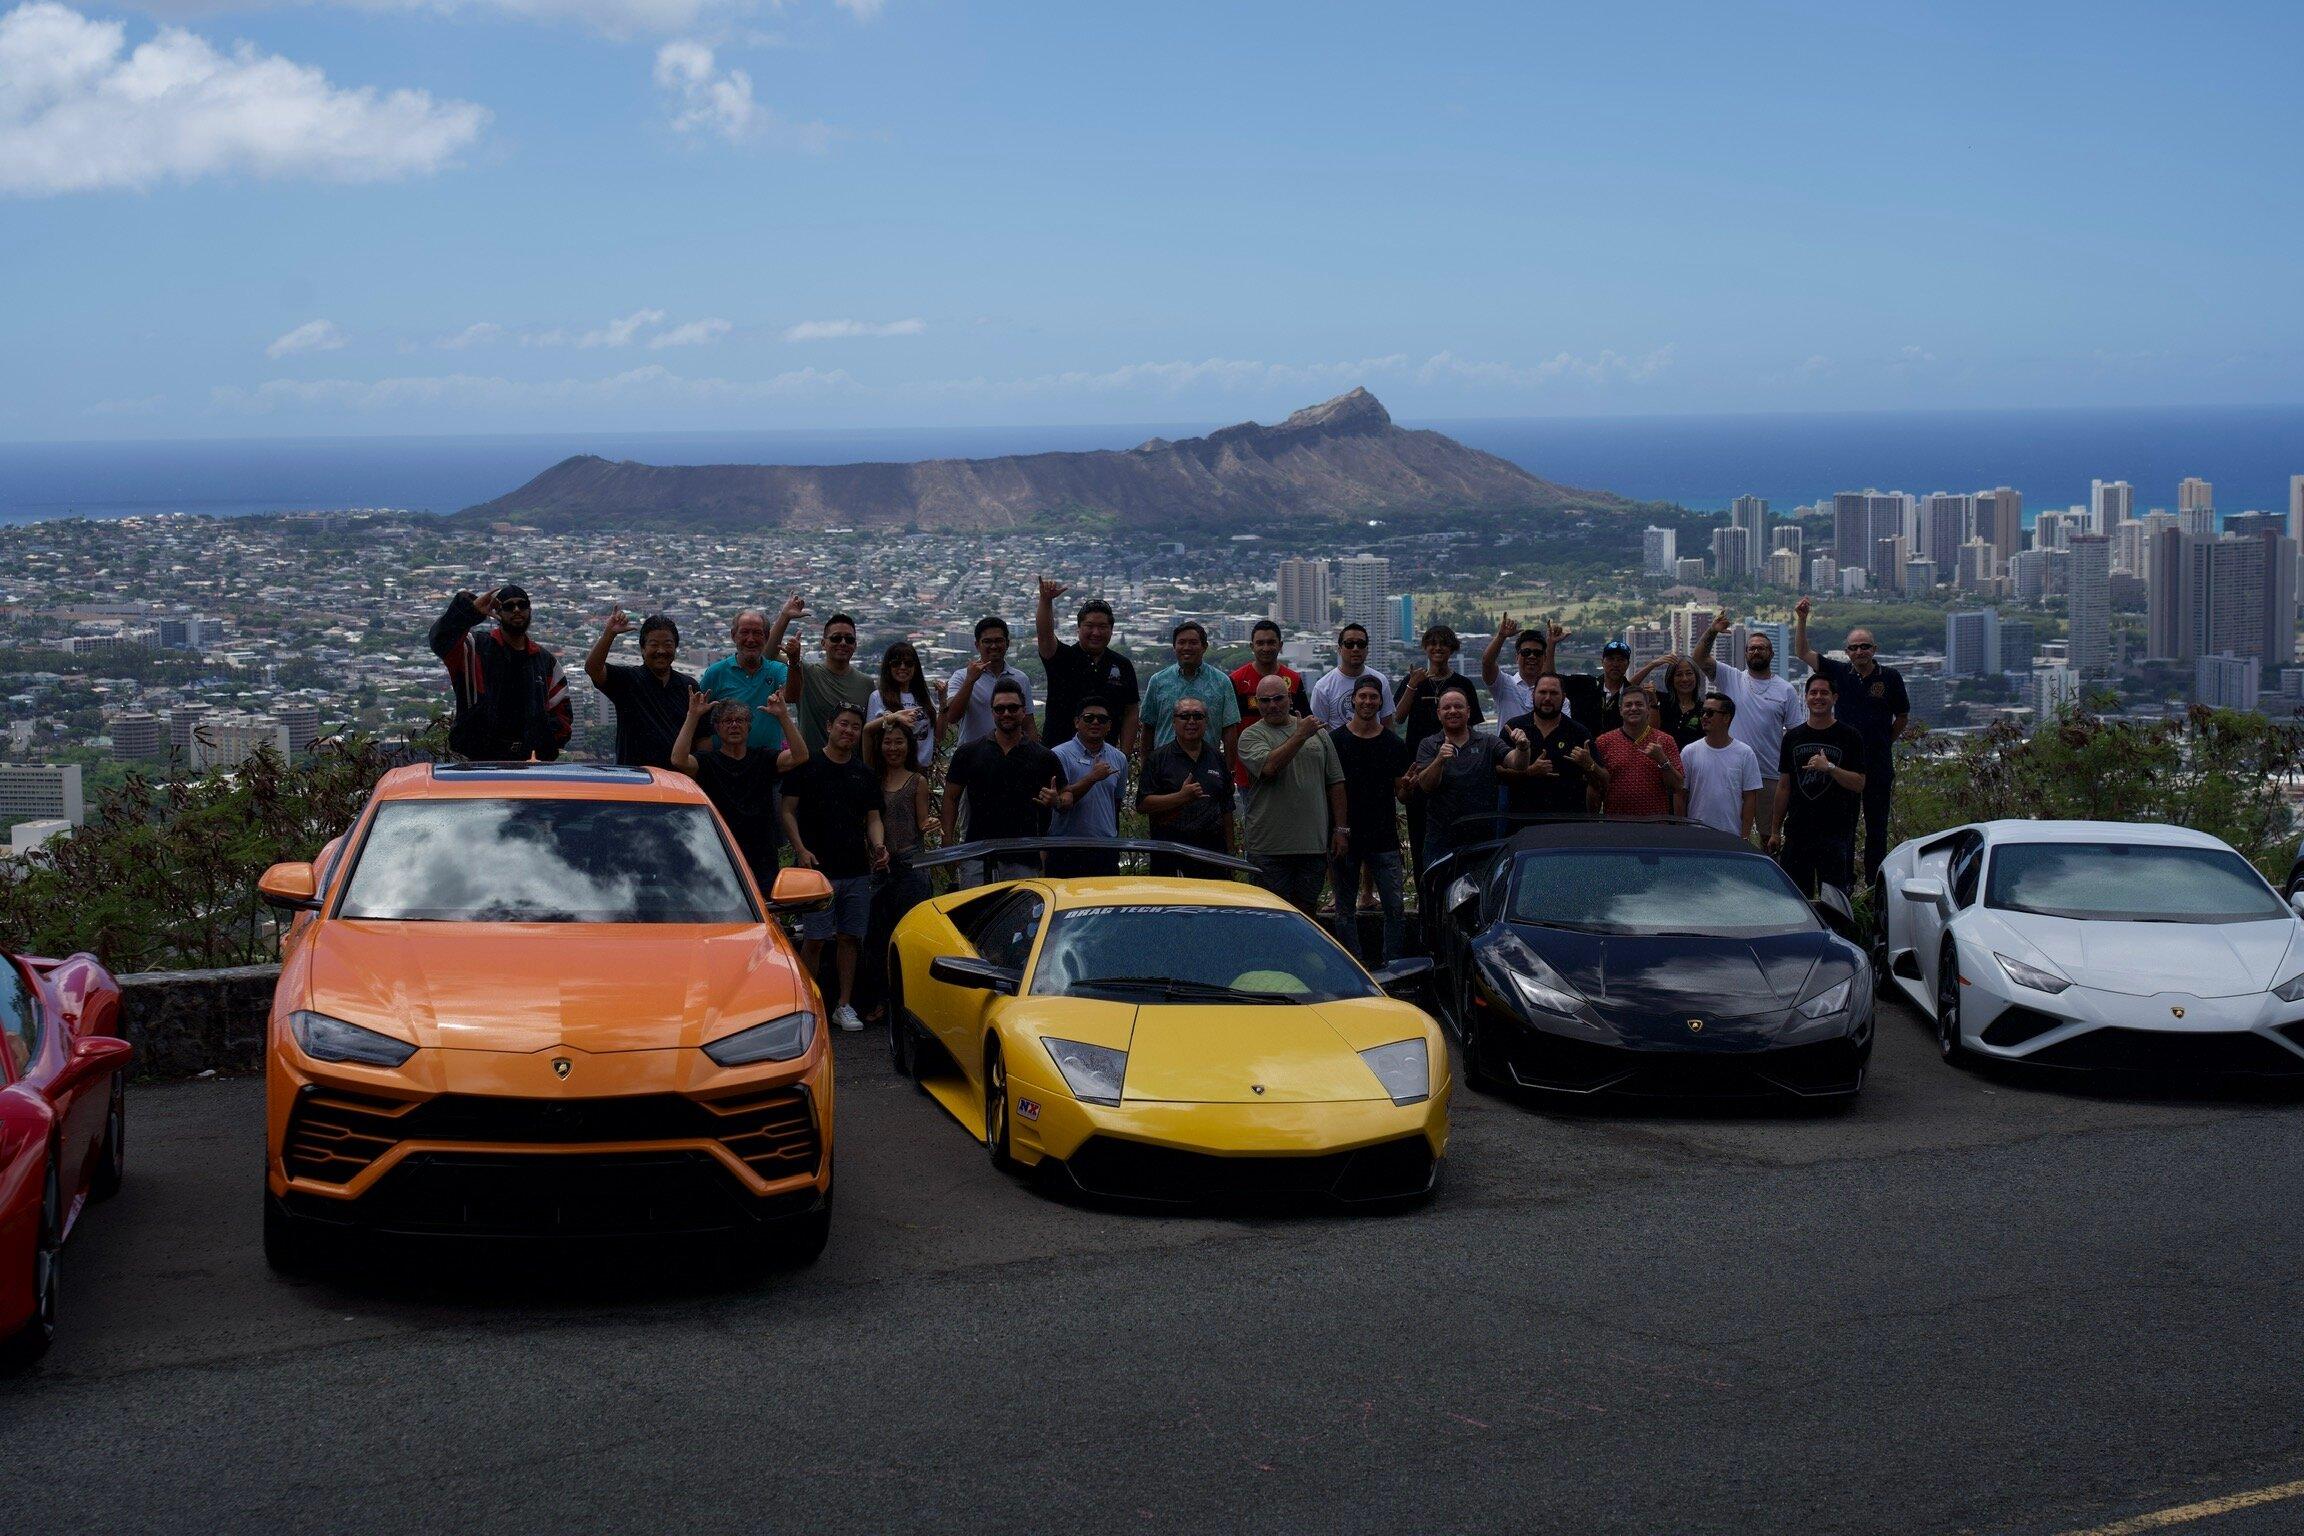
2291 990
1545 997
1403 1069
1829 1001
325 1039
1094 1073
2031 975
779 1039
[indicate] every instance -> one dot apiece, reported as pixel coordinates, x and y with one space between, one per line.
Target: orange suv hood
528 986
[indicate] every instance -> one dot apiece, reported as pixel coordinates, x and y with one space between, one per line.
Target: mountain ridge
1343 457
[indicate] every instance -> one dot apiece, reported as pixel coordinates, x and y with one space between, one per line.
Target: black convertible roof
1628 832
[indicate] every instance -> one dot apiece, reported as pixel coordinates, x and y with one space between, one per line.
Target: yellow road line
2185 1514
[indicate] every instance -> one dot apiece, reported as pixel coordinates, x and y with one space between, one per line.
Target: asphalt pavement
1968 1305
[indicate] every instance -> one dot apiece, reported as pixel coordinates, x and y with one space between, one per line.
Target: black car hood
1683 974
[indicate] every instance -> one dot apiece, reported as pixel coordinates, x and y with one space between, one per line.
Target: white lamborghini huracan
2094 944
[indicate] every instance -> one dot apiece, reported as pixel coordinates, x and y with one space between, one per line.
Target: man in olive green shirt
823 688
1296 816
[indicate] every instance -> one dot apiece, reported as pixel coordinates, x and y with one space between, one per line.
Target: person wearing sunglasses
1001 785
1871 699
1332 695
1095 776
1186 791
1514 693
1084 666
968 693
511 701
822 689
1723 775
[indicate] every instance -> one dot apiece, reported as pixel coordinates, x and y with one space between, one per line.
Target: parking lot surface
1969 1304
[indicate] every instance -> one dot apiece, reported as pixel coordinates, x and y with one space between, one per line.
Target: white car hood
2140 959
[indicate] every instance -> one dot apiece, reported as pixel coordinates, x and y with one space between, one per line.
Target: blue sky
514 215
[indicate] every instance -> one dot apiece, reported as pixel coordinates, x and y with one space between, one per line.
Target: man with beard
1375 765
1819 792
1870 699
511 701
1514 694
1186 791
651 699
1598 702
1637 765
1006 783
1766 705
1544 774
1263 662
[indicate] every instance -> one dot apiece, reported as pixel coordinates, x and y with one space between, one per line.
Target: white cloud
695 333
862 10
704 97
311 336
652 383
477 334
80 114
614 18
1606 368
616 333
835 330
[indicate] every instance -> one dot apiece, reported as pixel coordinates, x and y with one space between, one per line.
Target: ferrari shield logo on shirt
561 1066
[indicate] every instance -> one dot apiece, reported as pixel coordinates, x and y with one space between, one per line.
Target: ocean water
2248 453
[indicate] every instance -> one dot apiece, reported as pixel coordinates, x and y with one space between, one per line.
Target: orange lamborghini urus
543 1000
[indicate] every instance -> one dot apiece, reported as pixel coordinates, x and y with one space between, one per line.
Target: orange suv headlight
780 1039
325 1039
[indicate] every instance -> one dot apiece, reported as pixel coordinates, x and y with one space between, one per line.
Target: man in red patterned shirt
1636 768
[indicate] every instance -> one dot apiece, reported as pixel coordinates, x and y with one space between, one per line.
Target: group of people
834 763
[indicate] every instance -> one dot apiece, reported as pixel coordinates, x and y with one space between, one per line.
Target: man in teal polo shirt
1189 678
749 677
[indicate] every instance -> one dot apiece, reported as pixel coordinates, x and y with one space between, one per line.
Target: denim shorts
849 914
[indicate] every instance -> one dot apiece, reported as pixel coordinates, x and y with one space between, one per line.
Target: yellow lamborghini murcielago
1168 1039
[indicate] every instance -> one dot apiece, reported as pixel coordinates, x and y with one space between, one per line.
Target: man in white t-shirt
1766 705
968 697
1723 775
1332 695
1514 693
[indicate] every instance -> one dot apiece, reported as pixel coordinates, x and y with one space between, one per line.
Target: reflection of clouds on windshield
2167 882
1248 947
1650 891
545 861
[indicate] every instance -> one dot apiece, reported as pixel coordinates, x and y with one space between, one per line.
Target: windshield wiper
1170 986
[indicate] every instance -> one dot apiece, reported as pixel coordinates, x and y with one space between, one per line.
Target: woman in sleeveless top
904 821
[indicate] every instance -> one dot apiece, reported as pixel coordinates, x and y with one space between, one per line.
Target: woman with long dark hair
903 690
1680 702
904 820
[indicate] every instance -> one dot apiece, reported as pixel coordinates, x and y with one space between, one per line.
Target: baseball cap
1615 648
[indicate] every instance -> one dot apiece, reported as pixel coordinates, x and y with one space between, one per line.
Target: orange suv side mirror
291 887
799 890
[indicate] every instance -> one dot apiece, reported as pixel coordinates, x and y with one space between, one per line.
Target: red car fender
26 1126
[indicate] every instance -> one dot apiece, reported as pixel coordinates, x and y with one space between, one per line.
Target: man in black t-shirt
1871 700
832 815
1186 792
1089 667
1819 791
651 699
1543 773
1007 783
1374 762
739 779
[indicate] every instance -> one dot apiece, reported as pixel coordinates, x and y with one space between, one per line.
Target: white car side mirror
1927 892
2296 903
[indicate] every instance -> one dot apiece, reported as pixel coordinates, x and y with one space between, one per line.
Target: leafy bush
2218 771
164 875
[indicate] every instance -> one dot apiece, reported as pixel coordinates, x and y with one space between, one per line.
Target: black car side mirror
1831 904
982 975
1403 975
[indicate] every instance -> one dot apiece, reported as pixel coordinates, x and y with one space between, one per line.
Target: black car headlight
1832 1000
779 1039
327 1039
1545 993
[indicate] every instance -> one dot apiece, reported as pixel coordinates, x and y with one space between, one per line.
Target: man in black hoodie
511 701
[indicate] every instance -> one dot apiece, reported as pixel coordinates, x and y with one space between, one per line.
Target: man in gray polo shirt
1296 817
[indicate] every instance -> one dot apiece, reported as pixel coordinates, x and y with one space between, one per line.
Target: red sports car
63 1128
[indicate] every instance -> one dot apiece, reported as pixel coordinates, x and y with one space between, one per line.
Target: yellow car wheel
996 1108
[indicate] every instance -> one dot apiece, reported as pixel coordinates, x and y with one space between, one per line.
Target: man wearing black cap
511 701
651 699
1597 703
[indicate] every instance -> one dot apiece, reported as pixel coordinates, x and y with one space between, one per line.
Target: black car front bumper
1667 1060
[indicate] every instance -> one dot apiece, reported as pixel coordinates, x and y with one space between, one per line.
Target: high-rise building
2054 530
1687 624
1364 582
1660 551
1784 536
1978 566
2055 688
1404 628
1919 573
2000 521
1649 642
42 791
1688 570
183 721
2090 610
2110 503
302 722
1303 596
1750 513
2225 681
2194 494
2200 522
1926 693
138 736
1851 529
1731 554
1784 566
2019 643
1972 642
1824 574
1887 567
2296 508
1946 523
227 741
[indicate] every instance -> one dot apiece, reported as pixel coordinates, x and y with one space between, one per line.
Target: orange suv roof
536 781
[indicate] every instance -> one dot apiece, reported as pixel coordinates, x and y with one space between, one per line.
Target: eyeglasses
1007 709
1532 652
1095 719
1352 645
839 639
897 661
1862 645
1710 709
519 603
1191 714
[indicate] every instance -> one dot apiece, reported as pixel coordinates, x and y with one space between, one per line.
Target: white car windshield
1187 954
545 861
2129 883
1650 891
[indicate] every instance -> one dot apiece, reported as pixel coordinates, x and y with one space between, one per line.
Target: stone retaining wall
187 1022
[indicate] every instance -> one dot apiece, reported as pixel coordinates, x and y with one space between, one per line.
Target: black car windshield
1637 891
2129 883
545 861
1235 949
